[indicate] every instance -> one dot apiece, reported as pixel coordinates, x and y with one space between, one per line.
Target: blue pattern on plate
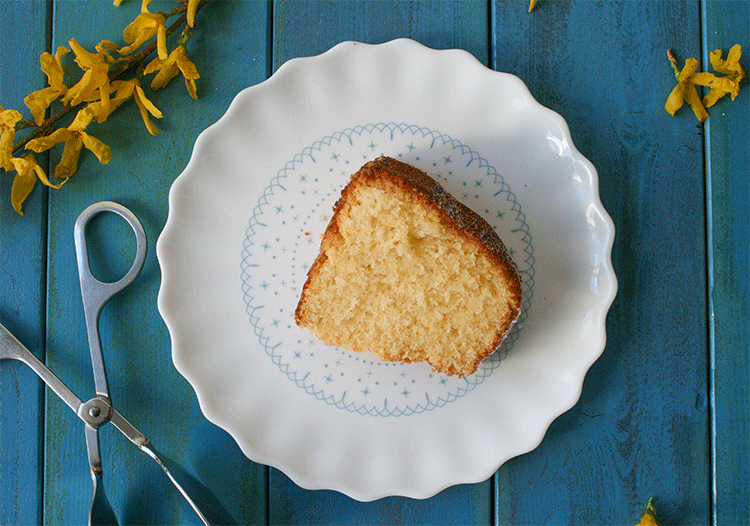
282 239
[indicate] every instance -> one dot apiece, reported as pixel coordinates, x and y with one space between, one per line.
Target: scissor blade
10 347
200 498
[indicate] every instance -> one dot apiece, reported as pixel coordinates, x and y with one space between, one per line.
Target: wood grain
728 183
640 427
664 413
22 282
229 50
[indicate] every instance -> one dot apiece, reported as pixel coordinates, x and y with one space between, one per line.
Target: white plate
244 224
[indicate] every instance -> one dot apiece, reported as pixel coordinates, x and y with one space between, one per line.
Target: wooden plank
640 427
229 50
310 28
727 154
440 24
22 285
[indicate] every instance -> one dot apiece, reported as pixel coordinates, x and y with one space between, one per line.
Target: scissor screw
96 412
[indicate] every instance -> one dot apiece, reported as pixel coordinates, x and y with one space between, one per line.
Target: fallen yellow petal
532 4
731 65
691 66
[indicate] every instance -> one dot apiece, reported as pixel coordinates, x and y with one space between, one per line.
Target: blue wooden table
665 411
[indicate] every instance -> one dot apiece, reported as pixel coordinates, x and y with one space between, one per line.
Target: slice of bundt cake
408 273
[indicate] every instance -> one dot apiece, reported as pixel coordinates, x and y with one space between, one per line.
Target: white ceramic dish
244 223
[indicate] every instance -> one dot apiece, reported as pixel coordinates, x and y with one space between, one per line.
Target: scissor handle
96 293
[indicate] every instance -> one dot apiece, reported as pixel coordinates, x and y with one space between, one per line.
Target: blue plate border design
256 303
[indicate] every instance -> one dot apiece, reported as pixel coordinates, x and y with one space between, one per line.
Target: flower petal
85 59
52 67
144 27
192 90
68 164
42 144
166 74
691 66
692 98
188 69
9 118
675 99
23 184
161 42
83 118
192 7
7 140
39 101
101 150
145 106
28 164
140 95
152 129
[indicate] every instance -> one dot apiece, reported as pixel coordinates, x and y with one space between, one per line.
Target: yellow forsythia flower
648 517
145 26
685 92
75 138
40 100
8 121
720 86
95 81
28 171
532 4
177 61
132 88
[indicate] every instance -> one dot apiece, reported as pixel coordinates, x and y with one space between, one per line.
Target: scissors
99 410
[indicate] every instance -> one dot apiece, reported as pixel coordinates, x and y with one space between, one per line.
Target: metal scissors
98 411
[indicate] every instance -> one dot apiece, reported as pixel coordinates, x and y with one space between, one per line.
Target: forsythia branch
102 89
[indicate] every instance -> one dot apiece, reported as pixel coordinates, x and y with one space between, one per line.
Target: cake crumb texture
410 274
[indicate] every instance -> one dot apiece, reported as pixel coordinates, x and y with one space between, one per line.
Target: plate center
283 239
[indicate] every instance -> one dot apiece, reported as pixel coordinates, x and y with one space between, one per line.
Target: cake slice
410 274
